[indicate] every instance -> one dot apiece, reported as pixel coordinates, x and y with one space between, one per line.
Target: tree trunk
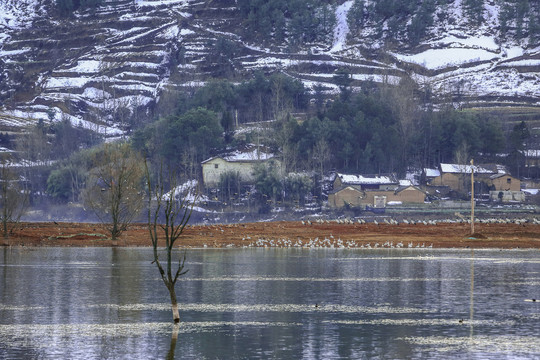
174 304
174 338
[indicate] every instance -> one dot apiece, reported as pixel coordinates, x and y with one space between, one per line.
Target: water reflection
253 303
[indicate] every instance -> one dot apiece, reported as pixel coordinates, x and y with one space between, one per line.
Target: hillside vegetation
360 86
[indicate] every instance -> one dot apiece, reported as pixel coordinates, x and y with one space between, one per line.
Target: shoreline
285 234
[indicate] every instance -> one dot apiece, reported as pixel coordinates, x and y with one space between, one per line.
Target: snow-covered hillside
102 69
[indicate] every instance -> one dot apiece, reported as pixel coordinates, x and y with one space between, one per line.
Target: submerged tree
174 208
114 187
13 200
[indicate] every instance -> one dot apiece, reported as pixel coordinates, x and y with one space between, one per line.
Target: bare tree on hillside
114 187
174 207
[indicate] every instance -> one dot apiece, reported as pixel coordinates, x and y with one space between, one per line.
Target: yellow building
505 182
352 197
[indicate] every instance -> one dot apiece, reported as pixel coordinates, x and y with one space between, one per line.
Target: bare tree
13 200
174 208
322 154
114 187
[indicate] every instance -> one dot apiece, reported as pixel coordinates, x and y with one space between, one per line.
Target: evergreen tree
506 17
356 16
522 11
420 22
474 10
65 7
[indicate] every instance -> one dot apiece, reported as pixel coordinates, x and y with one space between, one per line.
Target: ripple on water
422 322
17 336
484 344
291 308
309 279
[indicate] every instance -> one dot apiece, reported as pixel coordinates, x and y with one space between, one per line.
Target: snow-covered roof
405 183
464 169
432 172
362 180
498 175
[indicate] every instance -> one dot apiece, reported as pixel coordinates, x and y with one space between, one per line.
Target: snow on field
170 33
26 115
67 82
342 28
434 59
92 93
136 87
479 42
525 62
185 32
125 74
147 65
507 82
513 52
18 13
160 2
86 66
391 79
12 52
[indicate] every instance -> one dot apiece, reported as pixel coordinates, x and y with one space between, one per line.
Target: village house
365 182
457 177
489 177
430 174
358 191
504 182
241 162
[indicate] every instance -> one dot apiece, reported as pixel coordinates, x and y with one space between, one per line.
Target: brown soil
352 235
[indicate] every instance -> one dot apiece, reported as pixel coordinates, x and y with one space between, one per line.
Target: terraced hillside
106 69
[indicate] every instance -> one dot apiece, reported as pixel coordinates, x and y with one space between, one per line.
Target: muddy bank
290 233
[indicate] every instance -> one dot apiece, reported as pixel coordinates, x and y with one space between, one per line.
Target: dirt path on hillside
289 233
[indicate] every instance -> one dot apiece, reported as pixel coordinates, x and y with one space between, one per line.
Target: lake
104 303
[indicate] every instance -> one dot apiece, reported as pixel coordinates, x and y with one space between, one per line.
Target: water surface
97 303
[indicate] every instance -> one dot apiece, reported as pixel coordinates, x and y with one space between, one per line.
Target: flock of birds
332 243
460 220
337 243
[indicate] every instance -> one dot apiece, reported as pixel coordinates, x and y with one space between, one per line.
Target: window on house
216 166
508 181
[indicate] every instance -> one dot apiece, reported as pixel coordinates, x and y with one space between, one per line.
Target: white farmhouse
241 161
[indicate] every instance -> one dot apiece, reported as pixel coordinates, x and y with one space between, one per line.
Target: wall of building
502 183
411 195
507 196
211 173
348 195
357 198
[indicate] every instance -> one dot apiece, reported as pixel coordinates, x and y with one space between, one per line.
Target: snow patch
86 66
440 58
160 2
66 82
16 14
170 33
342 28
479 42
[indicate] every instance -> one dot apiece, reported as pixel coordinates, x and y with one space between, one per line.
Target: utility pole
472 196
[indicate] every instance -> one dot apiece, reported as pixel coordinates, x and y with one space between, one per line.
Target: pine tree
522 10
474 10
65 7
355 16
506 16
